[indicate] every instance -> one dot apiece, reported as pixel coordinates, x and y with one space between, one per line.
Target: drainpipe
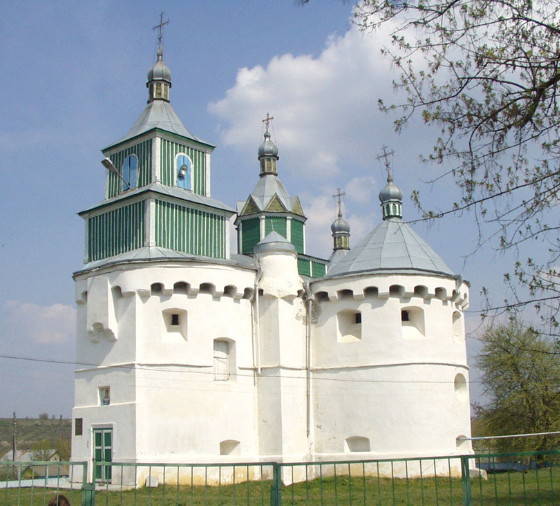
256 331
308 305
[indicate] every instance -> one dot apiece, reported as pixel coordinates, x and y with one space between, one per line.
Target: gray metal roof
267 186
159 114
155 253
274 242
171 191
392 247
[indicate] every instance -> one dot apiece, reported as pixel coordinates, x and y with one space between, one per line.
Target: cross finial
338 196
385 156
267 121
159 27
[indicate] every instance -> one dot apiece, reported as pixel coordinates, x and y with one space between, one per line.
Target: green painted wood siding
318 270
304 267
115 232
275 224
144 153
169 150
189 230
250 235
297 235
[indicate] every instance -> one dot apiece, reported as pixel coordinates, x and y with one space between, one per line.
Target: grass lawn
533 487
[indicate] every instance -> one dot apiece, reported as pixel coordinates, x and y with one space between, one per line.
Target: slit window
78 426
175 320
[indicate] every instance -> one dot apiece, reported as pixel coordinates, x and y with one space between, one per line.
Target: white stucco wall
394 387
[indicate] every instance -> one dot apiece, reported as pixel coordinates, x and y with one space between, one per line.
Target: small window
78 427
349 325
183 166
175 321
412 320
104 396
129 172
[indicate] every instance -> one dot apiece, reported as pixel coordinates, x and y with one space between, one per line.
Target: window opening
357 444
174 319
413 325
78 426
349 326
104 396
221 360
184 171
129 172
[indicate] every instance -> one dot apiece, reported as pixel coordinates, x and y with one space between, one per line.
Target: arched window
357 444
129 172
224 359
412 320
457 325
183 170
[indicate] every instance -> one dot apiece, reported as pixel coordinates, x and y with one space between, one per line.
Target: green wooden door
102 452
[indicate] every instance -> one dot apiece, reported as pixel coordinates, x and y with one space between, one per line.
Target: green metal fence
513 479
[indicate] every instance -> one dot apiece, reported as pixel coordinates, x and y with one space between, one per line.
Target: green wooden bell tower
157 198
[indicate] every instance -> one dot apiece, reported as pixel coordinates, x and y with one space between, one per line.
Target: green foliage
43 450
487 74
31 431
521 376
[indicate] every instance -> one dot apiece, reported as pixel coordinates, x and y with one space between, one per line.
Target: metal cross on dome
159 27
267 120
385 156
338 196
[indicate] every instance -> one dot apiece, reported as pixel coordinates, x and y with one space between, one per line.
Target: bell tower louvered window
183 166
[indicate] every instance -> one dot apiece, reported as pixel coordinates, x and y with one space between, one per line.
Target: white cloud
325 108
40 324
321 211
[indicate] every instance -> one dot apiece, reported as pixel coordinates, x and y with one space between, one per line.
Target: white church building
188 352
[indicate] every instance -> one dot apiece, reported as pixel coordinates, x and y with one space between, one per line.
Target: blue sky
74 82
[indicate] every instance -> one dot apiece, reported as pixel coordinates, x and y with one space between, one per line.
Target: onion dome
392 247
268 155
340 225
267 148
340 232
159 79
391 199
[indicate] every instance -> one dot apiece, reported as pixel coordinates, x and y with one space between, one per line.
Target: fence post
276 489
88 494
88 489
466 479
